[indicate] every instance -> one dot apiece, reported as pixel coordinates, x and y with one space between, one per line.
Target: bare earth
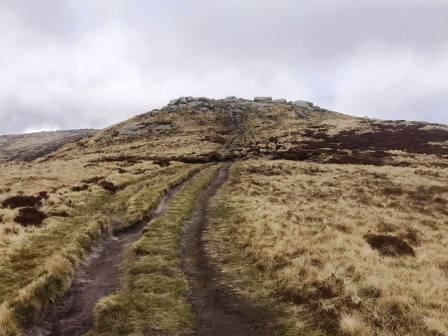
217 311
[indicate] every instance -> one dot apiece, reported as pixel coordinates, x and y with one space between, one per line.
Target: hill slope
281 217
28 147
201 129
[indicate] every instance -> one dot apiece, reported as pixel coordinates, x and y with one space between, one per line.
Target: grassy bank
337 249
33 271
153 298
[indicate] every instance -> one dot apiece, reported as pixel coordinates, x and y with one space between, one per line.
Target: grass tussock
153 299
33 272
341 250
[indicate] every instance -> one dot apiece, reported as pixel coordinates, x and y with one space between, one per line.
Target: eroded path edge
217 310
72 314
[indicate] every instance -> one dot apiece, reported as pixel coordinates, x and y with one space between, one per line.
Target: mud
72 314
218 311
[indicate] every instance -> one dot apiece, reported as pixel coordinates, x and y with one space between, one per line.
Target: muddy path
217 310
72 314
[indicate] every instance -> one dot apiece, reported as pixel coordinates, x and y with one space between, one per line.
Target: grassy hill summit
227 217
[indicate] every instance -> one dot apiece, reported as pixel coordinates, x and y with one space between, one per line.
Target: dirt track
218 312
72 314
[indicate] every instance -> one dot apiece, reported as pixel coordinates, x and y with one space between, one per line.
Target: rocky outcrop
29 147
263 99
303 104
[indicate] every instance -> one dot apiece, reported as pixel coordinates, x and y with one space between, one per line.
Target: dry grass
345 249
39 260
298 234
153 298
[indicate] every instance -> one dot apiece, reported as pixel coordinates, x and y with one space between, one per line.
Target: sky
67 64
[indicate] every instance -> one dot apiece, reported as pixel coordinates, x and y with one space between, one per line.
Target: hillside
28 147
202 130
228 217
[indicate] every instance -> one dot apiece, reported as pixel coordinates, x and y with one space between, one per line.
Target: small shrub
21 201
79 188
30 216
108 186
389 245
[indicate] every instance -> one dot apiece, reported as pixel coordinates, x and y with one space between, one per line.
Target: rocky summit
200 129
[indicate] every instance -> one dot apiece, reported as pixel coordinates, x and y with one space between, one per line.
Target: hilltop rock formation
187 130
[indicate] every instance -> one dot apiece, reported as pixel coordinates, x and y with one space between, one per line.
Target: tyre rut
72 314
217 310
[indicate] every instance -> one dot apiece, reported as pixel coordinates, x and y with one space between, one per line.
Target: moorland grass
304 237
40 268
153 299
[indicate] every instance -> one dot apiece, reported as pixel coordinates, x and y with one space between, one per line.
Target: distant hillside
28 147
201 130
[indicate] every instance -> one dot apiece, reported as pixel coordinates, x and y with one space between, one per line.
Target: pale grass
352 325
37 264
301 227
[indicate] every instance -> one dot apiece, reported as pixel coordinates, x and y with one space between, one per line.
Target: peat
389 245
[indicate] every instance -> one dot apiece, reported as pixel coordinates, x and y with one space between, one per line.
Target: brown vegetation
389 245
21 201
30 216
301 235
344 231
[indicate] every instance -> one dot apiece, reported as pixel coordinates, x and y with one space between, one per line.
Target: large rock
280 100
303 104
263 99
198 103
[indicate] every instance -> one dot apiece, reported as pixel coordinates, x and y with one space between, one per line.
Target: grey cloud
73 64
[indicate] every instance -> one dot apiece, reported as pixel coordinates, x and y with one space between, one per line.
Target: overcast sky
70 63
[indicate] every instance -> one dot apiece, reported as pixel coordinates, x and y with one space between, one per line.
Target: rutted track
217 311
72 314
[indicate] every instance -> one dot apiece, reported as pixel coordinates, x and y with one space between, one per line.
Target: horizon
78 65
53 129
